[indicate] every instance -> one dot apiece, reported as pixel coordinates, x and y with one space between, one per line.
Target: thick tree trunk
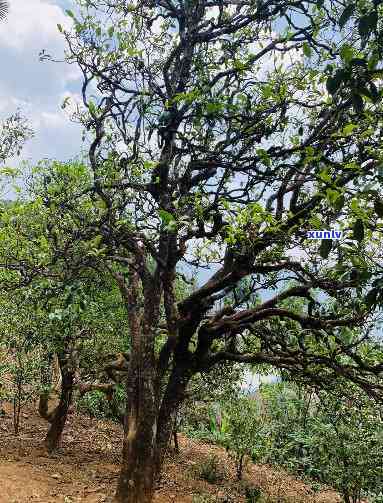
149 420
137 476
148 431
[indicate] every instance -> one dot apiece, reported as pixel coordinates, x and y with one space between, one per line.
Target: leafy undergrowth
86 469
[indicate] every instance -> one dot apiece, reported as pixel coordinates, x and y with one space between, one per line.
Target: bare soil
86 468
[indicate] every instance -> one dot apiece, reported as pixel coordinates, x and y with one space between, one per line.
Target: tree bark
57 418
149 419
175 438
148 430
53 437
137 476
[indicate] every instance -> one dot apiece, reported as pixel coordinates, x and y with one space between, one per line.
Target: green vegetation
149 274
327 438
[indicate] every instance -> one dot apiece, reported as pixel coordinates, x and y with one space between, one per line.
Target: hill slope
86 468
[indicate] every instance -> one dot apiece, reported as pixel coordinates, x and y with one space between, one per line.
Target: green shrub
210 470
203 498
376 498
334 438
253 495
95 404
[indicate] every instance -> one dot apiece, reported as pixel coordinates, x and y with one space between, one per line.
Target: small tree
246 434
289 409
73 311
23 368
21 359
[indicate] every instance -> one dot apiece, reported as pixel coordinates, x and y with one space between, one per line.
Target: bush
203 498
253 495
335 438
210 470
94 404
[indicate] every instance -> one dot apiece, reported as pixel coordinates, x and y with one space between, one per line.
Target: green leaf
339 203
378 207
349 129
325 175
96 241
346 14
325 248
69 13
358 230
346 53
264 156
300 131
60 28
307 50
111 31
92 107
166 217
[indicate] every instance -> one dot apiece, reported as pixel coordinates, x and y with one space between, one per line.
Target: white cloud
36 87
30 22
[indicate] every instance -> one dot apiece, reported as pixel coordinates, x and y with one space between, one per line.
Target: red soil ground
86 468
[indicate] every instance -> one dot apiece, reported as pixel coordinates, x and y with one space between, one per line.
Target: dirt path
86 468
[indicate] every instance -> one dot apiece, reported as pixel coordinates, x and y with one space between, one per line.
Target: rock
56 476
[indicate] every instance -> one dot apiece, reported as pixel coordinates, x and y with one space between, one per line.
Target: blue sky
38 88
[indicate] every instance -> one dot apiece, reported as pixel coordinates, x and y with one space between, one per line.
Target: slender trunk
53 437
240 467
175 431
57 418
173 398
176 445
17 408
